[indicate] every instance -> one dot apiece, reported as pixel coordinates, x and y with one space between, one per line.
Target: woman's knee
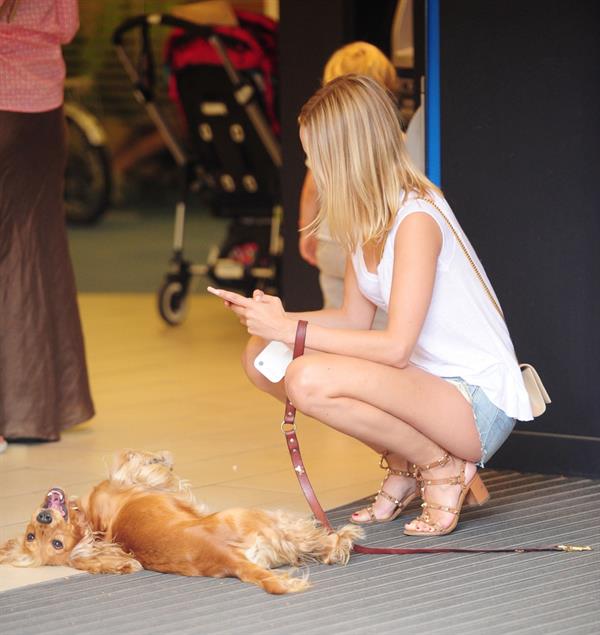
304 383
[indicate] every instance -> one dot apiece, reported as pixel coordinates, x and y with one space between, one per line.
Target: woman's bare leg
254 346
396 486
406 411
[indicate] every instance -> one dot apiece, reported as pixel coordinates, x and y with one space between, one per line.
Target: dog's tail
300 540
346 537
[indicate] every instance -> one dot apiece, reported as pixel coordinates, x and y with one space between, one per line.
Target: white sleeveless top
463 335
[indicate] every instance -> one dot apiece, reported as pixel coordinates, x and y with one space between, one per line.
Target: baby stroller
222 79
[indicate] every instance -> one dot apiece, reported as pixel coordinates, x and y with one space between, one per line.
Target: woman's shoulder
436 207
432 203
429 197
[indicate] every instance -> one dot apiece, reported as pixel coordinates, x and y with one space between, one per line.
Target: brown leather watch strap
300 338
288 426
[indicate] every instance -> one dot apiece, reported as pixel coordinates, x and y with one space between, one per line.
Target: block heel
478 493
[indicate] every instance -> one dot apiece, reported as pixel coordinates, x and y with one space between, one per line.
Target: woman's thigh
429 404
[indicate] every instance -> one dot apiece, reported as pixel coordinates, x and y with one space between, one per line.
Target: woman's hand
262 314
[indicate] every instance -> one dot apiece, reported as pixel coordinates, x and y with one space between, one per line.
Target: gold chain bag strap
538 395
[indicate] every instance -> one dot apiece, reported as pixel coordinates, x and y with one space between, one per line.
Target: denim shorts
493 425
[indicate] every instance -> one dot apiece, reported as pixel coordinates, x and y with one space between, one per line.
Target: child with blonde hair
362 58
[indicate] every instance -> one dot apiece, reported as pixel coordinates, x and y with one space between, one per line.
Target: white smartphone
273 360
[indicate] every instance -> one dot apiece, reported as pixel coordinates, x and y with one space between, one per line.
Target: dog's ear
97 556
13 553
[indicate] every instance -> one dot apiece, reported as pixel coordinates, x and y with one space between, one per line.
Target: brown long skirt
43 378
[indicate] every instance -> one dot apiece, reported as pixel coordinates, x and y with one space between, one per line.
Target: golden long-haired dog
144 516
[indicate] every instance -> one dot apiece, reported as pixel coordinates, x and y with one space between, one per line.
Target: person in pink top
44 384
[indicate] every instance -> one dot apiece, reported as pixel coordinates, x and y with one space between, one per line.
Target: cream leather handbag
538 395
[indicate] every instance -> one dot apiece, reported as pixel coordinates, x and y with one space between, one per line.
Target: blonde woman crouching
437 392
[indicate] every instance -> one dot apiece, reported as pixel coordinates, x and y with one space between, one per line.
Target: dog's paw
131 566
285 582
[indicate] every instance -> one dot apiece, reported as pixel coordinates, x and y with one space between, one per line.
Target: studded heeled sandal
474 493
399 504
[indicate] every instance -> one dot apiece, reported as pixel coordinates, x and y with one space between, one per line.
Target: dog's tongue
55 499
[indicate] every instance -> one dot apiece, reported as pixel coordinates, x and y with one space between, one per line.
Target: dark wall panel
309 32
520 165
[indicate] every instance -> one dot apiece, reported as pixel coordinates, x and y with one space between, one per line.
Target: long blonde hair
362 58
362 171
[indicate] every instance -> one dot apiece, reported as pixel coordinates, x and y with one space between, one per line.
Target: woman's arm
264 314
356 311
416 250
309 208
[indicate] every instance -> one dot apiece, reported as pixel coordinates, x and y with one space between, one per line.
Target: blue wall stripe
433 159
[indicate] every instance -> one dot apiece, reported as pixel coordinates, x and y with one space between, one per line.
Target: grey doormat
492 594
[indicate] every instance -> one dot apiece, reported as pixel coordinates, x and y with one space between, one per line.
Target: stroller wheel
172 304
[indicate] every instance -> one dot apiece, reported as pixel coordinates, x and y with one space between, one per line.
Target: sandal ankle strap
439 463
389 497
451 480
384 465
401 473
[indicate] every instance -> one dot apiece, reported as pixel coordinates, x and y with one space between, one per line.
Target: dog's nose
44 517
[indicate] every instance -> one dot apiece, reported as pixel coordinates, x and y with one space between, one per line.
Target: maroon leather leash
288 427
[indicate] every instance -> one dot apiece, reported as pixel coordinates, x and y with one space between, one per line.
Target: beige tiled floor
180 389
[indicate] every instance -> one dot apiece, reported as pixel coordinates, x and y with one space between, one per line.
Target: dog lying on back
144 516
